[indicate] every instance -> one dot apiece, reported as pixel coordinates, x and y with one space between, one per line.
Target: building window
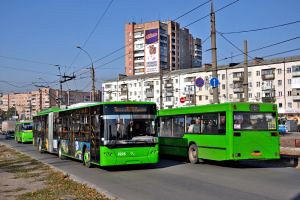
258 94
289 93
249 74
157 91
288 70
250 85
257 73
223 86
279 71
230 96
289 104
289 81
206 97
176 80
257 84
200 98
280 105
157 83
280 94
279 82
223 76
250 95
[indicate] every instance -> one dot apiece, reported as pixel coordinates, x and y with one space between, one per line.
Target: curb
73 177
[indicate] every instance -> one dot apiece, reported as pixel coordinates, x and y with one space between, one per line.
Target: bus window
210 123
193 124
166 127
178 126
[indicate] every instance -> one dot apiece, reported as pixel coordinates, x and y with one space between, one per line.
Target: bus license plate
256 154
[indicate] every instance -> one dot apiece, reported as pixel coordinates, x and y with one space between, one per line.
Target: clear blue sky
48 32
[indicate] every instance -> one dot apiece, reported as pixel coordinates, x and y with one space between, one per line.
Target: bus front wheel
193 154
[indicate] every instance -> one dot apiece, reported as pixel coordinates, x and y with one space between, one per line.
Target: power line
123 47
26 60
25 70
264 47
195 8
209 13
243 53
264 28
93 30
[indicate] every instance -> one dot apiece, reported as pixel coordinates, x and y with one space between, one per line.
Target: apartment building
157 45
274 80
30 103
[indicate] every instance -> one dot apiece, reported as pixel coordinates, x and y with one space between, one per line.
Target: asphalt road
180 180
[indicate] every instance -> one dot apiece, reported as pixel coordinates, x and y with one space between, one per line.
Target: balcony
268 99
267 87
268 76
238 89
238 79
296 98
149 93
296 73
168 85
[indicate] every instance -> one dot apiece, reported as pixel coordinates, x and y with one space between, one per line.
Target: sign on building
151 51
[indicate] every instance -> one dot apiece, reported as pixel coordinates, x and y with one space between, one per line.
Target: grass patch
57 185
60 185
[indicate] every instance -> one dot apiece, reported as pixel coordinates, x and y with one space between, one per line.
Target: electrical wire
92 32
261 29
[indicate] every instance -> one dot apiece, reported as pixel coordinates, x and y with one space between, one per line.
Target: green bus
23 131
102 133
227 131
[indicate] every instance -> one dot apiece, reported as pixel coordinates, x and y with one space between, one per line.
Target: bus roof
24 122
229 106
90 104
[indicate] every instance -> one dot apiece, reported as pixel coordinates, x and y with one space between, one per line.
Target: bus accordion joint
237 134
274 134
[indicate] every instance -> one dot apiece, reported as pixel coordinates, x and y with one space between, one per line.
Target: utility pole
214 52
64 79
93 82
92 73
160 89
245 84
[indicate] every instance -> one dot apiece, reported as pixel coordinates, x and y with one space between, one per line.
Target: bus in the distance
220 132
23 131
103 134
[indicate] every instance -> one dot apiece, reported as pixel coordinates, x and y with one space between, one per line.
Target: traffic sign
199 82
214 82
182 99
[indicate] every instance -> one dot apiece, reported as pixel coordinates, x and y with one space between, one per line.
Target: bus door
95 138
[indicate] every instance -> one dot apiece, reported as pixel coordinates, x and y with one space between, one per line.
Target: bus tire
60 152
87 158
193 154
40 149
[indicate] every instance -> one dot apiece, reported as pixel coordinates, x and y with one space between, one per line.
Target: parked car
282 129
10 135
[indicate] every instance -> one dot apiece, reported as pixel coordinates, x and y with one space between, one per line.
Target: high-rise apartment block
157 45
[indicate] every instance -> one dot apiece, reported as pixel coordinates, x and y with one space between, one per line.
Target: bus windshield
254 121
130 124
26 127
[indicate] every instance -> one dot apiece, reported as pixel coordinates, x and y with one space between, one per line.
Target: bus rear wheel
87 158
193 154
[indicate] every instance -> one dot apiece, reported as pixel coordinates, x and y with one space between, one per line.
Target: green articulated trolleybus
103 134
23 131
227 131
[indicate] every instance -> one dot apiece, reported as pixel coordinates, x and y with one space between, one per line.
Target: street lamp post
92 74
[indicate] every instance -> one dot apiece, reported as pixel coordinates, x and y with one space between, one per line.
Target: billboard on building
151 51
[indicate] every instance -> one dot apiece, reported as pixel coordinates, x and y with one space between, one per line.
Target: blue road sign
214 82
199 82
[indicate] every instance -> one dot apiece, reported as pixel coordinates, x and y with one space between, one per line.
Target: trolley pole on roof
214 52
